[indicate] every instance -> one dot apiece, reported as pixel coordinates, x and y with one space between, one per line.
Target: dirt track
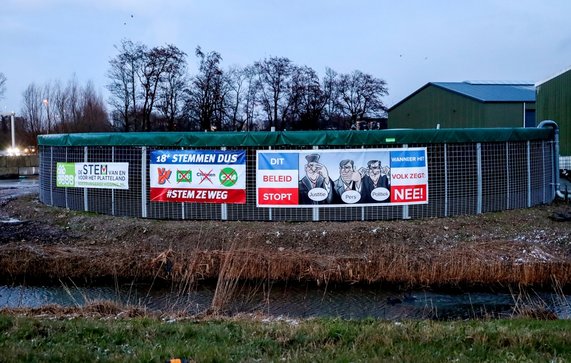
513 247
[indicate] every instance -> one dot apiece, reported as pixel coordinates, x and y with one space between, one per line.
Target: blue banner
212 157
277 161
408 159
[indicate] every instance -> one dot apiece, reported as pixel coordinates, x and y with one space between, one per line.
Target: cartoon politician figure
316 187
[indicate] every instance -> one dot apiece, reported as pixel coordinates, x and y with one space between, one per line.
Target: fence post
144 182
269 209
479 177
544 191
528 154
52 175
445 180
223 206
85 198
315 209
507 175
405 214
65 189
555 150
182 205
112 190
362 208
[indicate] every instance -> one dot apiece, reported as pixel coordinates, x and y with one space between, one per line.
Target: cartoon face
375 169
312 170
346 172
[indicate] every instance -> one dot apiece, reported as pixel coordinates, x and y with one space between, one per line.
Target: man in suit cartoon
349 178
374 178
316 176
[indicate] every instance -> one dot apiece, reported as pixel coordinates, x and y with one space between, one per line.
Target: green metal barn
554 103
466 105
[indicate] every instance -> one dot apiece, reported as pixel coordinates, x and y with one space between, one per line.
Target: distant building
554 103
371 123
466 105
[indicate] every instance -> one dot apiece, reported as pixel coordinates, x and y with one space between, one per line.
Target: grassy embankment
521 247
150 339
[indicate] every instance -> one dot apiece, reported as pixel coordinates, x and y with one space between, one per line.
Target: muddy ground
516 247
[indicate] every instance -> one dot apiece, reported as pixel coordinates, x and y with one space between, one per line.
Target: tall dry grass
392 264
229 276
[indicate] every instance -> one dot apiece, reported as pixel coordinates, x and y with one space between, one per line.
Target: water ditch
348 302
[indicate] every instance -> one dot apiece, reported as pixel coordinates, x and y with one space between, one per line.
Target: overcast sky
405 42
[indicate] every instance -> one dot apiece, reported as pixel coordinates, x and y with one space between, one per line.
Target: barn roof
486 91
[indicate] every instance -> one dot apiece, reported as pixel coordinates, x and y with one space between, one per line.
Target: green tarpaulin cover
298 138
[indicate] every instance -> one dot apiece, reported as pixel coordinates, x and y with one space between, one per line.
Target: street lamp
13 129
46 103
13 150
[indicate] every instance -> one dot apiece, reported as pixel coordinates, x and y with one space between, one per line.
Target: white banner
336 178
93 175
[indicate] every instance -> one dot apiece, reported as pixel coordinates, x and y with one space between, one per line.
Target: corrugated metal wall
434 105
554 103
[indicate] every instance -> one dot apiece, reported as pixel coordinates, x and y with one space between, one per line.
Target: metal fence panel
517 174
462 176
467 178
494 177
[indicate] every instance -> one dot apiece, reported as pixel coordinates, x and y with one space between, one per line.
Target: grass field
254 339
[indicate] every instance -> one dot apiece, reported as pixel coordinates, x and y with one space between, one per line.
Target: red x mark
164 175
205 176
184 175
227 176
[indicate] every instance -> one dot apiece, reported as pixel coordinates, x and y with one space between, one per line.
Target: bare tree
240 97
171 92
72 92
274 76
331 111
360 95
221 116
157 64
50 108
306 100
59 105
4 119
205 92
171 99
93 115
145 80
48 93
32 110
272 92
250 109
79 109
124 83
3 80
